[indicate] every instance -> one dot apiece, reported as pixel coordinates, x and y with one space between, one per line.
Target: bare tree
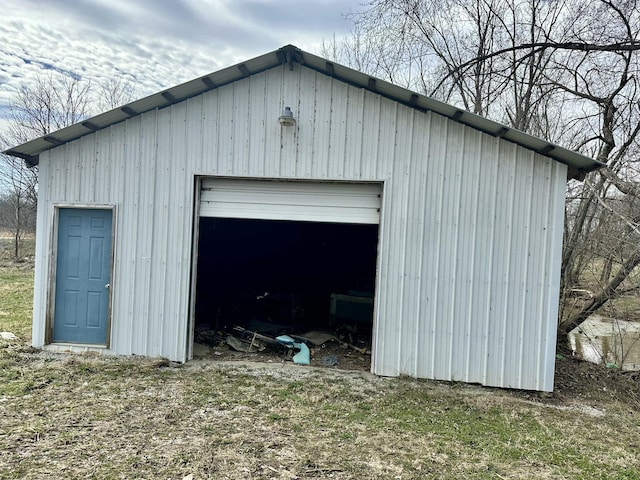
51 102
605 83
566 71
114 92
17 209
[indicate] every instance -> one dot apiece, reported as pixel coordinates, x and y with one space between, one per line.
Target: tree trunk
607 293
17 232
606 270
16 245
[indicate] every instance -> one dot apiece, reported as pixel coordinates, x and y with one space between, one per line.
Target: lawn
78 416
16 300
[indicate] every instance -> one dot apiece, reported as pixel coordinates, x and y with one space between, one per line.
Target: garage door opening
273 277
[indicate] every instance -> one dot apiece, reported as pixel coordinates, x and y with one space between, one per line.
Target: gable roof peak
290 55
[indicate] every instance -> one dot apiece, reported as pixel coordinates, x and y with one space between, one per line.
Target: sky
154 44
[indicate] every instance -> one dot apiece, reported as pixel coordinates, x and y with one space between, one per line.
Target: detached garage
290 173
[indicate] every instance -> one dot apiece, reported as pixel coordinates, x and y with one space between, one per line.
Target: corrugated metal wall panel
337 129
466 235
43 247
479 257
551 275
143 240
322 127
289 137
101 190
168 224
127 245
369 157
256 120
415 225
448 260
195 137
179 223
408 174
399 356
276 100
210 133
307 103
501 254
225 128
161 226
483 262
512 331
241 132
470 226
539 199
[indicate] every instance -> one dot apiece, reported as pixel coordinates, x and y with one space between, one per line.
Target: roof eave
29 160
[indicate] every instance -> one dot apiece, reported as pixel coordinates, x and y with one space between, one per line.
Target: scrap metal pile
250 328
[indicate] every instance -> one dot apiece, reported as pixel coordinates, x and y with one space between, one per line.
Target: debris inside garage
344 343
343 347
259 280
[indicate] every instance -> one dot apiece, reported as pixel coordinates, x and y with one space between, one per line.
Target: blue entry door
83 276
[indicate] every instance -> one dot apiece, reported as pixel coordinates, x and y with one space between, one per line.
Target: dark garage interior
285 277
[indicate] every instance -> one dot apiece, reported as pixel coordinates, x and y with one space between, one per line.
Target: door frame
53 262
195 247
193 276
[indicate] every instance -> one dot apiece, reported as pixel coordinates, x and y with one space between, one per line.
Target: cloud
156 43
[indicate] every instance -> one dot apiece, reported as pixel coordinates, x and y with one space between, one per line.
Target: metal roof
578 164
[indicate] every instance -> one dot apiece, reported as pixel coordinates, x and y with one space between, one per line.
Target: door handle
107 285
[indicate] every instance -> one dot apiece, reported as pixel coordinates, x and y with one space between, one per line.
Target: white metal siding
304 201
471 225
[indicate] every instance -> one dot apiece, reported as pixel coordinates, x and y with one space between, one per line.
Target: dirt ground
584 381
574 379
232 415
329 355
255 416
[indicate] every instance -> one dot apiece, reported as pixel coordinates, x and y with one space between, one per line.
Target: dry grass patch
16 299
78 417
108 418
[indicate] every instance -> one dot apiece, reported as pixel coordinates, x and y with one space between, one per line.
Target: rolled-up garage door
291 200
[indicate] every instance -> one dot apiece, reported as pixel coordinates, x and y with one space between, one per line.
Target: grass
27 246
137 418
16 294
81 416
